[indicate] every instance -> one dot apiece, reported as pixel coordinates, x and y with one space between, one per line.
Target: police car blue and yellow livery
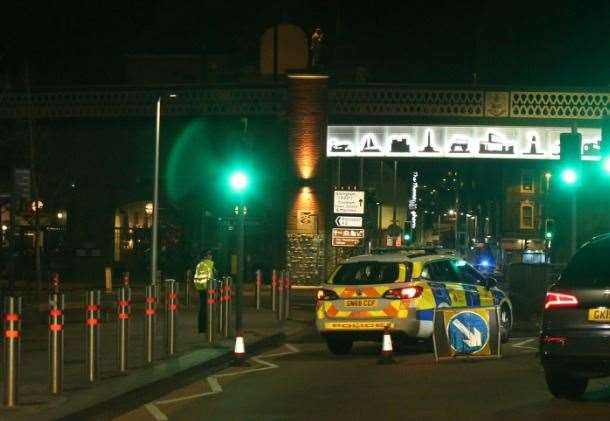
400 290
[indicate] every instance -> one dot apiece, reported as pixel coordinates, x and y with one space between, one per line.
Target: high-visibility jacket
203 272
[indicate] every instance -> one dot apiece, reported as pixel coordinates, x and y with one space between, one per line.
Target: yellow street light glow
4 227
60 215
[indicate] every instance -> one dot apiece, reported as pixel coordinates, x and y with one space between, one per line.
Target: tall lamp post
155 215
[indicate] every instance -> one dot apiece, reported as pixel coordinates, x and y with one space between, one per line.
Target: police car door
445 284
473 283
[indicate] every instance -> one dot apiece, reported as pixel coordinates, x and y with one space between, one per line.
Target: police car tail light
326 295
403 293
559 300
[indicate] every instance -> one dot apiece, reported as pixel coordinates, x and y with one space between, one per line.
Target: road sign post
469 333
350 202
347 237
348 221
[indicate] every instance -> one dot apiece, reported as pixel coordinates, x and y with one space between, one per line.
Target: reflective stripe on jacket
203 272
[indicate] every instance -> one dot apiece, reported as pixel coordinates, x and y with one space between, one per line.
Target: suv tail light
559 300
326 295
403 293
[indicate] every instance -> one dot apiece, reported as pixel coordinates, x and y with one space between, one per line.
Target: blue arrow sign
467 332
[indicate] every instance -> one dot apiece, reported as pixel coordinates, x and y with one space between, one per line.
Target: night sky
524 43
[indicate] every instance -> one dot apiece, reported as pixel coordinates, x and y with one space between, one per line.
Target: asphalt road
301 380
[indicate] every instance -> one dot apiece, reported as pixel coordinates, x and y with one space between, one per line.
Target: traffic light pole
574 218
241 216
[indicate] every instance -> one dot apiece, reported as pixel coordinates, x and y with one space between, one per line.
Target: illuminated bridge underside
345 100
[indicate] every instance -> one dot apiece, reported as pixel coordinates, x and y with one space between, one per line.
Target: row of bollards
56 321
219 302
281 294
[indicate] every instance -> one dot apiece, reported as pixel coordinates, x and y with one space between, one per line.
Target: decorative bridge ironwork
344 100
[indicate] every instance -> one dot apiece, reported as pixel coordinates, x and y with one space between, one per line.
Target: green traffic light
548 235
569 176
407 237
238 181
606 164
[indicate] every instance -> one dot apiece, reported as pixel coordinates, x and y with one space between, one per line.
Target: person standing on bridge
204 273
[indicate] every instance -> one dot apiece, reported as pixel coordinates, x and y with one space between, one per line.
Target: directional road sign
466 332
349 202
346 237
349 221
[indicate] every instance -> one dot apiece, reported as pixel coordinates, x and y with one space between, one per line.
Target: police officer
204 273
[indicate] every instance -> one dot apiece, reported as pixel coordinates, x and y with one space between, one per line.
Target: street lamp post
155 213
155 216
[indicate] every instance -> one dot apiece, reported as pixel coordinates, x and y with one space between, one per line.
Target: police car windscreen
366 273
588 269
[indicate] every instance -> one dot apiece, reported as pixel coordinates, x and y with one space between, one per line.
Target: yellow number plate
600 314
360 303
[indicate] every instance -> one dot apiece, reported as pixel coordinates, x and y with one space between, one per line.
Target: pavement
301 380
84 400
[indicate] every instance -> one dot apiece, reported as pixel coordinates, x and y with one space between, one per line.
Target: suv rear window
367 273
588 268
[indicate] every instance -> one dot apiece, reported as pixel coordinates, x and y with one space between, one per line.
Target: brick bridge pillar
306 219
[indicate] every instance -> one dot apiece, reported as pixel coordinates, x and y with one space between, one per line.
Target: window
367 273
527 182
527 215
441 271
587 269
469 275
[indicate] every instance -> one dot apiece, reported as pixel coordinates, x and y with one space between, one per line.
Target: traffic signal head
570 158
569 176
549 229
238 181
407 236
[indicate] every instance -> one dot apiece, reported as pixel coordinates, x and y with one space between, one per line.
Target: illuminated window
527 215
527 182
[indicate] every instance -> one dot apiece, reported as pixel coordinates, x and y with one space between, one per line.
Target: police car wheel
339 344
564 386
505 323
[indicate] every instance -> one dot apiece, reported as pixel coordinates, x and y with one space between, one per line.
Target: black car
575 336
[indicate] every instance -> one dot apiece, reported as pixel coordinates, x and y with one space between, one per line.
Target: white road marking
155 412
214 385
523 346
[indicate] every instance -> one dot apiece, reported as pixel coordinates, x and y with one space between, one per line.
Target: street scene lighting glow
569 176
607 165
238 181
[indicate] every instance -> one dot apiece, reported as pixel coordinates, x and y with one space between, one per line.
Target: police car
400 289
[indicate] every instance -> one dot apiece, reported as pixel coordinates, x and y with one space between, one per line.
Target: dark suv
575 337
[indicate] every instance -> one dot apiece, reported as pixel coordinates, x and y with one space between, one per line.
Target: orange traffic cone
239 353
387 353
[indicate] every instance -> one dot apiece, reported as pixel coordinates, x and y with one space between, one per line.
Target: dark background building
95 71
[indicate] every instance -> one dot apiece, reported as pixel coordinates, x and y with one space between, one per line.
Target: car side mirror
491 282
